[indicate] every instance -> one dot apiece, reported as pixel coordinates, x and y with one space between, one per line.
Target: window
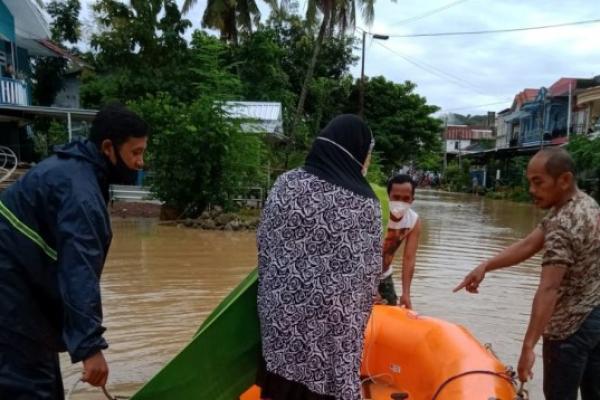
2 58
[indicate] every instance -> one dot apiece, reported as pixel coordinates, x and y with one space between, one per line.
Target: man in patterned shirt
566 307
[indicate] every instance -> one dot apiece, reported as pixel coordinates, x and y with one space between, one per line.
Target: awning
588 96
30 21
516 115
28 112
35 48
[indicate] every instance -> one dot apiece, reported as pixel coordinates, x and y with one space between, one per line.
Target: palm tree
227 16
336 14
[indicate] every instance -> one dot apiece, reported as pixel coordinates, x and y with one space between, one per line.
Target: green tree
48 133
197 156
339 15
65 25
48 71
456 176
229 16
401 121
211 75
139 49
586 154
260 63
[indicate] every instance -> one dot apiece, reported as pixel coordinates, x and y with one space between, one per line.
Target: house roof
31 29
28 112
464 132
259 117
561 86
30 22
524 96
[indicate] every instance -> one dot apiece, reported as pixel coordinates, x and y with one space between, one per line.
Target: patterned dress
320 256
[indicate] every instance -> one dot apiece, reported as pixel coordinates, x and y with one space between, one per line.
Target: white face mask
398 209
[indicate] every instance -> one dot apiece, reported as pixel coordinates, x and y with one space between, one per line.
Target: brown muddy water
160 282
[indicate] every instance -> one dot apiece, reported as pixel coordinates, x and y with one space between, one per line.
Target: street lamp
361 108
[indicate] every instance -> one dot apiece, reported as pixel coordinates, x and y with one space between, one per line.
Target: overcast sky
465 74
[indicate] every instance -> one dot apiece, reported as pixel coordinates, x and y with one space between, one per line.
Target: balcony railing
14 92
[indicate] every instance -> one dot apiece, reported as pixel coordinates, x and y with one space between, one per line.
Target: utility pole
543 122
444 144
569 110
361 104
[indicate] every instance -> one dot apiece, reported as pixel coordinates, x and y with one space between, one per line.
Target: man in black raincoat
54 236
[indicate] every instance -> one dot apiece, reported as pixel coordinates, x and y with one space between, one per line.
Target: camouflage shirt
572 239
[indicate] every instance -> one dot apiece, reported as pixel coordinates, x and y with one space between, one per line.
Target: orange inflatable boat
407 356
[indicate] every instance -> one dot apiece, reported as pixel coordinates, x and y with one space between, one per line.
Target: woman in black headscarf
319 245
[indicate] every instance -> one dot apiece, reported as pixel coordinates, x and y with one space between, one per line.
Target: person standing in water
566 307
54 237
319 261
404 226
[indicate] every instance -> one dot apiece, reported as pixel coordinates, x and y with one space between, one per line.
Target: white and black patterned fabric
320 256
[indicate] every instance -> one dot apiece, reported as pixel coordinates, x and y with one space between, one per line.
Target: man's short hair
117 123
558 161
400 179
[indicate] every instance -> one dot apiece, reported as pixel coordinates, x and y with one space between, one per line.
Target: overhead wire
430 12
492 31
436 71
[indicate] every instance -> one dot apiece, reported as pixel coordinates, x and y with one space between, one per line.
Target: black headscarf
332 164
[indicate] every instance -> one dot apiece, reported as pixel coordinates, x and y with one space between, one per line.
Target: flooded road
161 282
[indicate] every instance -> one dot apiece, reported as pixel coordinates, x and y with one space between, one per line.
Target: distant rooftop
257 116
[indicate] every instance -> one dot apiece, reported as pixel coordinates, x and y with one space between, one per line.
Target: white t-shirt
406 224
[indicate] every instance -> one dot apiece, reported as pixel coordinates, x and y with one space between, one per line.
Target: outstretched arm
514 254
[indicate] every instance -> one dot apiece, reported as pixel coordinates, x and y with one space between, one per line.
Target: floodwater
160 282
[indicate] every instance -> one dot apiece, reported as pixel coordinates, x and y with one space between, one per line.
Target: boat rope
104 391
501 375
522 393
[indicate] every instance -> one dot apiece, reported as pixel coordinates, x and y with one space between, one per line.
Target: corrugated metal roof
31 111
264 111
263 117
464 132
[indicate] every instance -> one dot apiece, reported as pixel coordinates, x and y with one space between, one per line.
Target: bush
375 173
48 133
197 156
456 178
586 154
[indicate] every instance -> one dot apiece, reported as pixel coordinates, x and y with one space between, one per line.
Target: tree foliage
401 121
48 71
140 56
139 50
586 154
197 156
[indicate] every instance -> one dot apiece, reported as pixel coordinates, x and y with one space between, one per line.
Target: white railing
13 91
8 163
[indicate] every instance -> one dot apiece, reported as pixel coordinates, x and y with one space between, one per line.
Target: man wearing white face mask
404 226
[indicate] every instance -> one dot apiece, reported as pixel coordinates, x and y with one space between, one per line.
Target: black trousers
31 373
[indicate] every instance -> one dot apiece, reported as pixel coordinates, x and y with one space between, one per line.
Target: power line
485 32
423 63
437 72
431 12
476 106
